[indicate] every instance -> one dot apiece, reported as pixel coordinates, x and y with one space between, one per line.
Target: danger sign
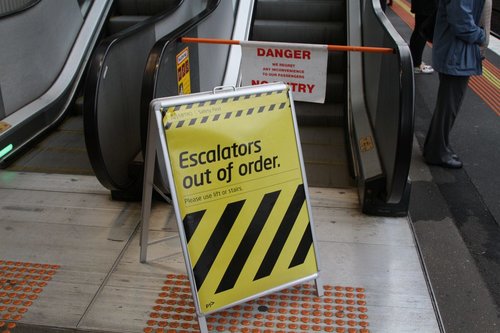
240 194
301 66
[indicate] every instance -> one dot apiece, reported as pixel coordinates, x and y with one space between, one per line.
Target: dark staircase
321 126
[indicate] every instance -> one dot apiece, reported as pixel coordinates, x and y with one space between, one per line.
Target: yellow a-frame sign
237 179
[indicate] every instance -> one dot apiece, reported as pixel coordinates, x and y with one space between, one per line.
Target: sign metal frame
157 154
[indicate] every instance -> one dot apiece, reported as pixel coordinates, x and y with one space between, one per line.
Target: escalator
45 48
45 133
112 95
348 141
362 136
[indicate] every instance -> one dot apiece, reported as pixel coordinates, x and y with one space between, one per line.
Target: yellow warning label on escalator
183 72
4 126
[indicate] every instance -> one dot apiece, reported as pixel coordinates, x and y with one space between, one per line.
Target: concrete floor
90 245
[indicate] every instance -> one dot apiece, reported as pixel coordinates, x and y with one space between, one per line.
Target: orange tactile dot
328 321
16 284
293 309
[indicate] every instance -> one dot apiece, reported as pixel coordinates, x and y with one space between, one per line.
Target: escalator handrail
33 119
18 8
94 75
399 177
155 58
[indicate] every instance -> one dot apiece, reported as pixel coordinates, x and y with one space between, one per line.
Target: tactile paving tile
20 285
296 309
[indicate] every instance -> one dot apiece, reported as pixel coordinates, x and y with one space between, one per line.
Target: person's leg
450 96
383 4
459 84
417 43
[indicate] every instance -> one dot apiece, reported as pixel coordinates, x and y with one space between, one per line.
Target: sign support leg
202 321
319 287
147 190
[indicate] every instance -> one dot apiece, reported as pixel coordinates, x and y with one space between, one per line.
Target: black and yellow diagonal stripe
242 107
252 240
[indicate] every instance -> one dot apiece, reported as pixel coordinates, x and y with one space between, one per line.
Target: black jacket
423 7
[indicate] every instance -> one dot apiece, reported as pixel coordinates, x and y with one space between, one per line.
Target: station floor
69 262
456 213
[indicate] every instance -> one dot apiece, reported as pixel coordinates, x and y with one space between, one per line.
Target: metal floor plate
370 264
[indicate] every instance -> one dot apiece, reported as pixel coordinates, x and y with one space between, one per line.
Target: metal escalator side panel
8 8
207 62
389 96
160 79
42 107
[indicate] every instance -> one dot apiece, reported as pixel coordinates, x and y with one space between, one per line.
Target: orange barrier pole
209 40
330 47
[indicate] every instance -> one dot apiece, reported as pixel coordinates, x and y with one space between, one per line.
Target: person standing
423 10
485 23
456 56
383 4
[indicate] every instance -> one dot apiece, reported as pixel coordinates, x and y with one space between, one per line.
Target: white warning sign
301 66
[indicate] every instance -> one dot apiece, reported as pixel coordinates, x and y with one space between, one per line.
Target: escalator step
301 10
299 32
337 62
313 114
335 92
122 22
325 156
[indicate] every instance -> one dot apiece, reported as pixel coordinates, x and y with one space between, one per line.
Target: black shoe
450 164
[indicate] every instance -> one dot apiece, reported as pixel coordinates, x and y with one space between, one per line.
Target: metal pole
345 48
147 189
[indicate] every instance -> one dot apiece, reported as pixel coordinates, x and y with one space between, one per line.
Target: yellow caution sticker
183 72
4 126
240 192
366 144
